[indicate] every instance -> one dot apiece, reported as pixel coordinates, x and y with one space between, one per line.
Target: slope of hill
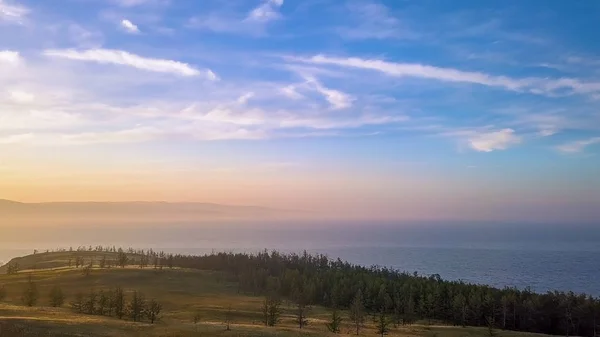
183 294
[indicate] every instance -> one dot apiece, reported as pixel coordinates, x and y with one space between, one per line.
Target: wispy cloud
578 146
119 57
336 98
253 23
542 86
129 27
245 97
133 3
372 20
485 139
267 11
12 12
290 92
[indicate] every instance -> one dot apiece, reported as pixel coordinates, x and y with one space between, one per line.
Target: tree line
398 297
113 302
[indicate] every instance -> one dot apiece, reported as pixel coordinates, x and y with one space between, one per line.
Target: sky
408 110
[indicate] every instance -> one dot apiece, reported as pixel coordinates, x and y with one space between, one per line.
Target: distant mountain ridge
130 211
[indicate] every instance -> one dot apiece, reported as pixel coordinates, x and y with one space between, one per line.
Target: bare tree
197 319
228 318
153 310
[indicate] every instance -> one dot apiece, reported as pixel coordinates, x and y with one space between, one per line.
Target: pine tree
459 305
57 298
301 313
271 311
30 293
118 302
357 311
136 306
77 305
90 303
122 258
2 293
103 303
336 321
382 324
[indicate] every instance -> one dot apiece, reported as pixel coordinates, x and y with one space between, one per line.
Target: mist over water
541 257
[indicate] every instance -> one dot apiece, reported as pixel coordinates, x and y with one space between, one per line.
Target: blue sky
497 101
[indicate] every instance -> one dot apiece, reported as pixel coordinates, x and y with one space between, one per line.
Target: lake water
543 258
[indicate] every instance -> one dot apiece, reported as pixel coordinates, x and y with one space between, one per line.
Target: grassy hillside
183 293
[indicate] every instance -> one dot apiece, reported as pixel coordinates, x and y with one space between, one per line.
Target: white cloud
134 135
109 56
129 26
245 97
10 57
266 12
336 98
541 86
494 140
291 92
16 139
19 96
11 12
578 146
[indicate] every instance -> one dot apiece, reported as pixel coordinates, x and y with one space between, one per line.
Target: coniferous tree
30 293
103 262
118 302
357 311
271 310
460 308
78 305
103 303
382 324
136 306
122 258
2 293
57 298
336 322
90 303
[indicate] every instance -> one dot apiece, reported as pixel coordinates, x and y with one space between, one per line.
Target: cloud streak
12 13
119 57
541 86
578 146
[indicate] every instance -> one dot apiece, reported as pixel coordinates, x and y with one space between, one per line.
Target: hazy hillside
11 211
